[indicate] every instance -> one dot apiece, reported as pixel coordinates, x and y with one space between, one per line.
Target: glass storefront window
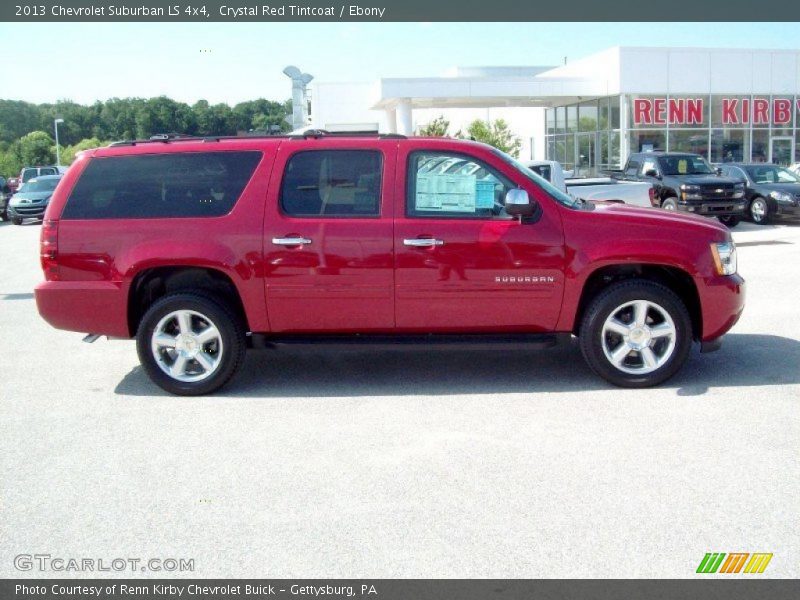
614 112
615 160
572 119
550 121
586 166
588 116
647 140
729 145
689 140
760 145
730 111
781 113
759 112
561 119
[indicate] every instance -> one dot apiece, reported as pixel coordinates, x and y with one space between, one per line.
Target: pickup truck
594 188
202 247
686 182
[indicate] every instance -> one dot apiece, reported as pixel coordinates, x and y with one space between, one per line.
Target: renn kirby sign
689 111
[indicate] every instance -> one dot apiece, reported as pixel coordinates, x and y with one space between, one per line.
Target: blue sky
231 62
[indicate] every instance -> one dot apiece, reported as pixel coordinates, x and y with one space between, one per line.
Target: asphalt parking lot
466 464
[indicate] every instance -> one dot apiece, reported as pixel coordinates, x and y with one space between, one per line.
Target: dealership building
590 114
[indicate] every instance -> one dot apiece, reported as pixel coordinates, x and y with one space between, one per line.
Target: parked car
771 191
32 198
189 245
594 188
28 173
5 196
686 182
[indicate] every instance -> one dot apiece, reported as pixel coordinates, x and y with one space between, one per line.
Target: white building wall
709 70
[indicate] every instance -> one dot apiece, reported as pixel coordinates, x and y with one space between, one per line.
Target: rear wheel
759 211
190 344
670 204
636 334
730 221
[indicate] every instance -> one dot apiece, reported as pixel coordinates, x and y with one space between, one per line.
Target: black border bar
667 15
716 588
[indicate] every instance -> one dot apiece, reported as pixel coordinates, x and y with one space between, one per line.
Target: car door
328 237
461 263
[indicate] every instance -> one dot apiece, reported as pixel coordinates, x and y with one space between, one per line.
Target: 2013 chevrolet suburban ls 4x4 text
200 248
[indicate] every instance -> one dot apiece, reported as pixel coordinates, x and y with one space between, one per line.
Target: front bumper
722 302
715 208
786 211
26 212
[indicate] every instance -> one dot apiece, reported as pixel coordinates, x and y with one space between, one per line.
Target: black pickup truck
688 183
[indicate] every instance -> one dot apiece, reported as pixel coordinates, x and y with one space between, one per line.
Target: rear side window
332 183
190 184
632 168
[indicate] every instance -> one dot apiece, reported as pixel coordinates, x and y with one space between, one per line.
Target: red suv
200 248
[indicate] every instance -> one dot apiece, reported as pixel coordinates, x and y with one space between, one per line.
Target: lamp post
58 154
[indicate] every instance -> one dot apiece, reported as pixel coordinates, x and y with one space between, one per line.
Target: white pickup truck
637 193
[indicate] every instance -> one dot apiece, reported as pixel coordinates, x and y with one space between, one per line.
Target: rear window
191 184
28 174
48 171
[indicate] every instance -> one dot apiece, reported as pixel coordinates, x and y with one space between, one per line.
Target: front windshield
39 185
684 164
549 188
771 174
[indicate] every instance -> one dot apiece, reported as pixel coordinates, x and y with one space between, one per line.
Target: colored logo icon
736 562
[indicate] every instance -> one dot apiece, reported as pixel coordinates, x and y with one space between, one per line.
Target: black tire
16 221
730 221
608 302
670 204
4 215
214 311
762 206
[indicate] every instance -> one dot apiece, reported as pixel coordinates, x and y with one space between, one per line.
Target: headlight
691 192
738 190
724 254
781 196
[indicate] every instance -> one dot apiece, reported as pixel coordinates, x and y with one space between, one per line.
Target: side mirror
518 204
651 173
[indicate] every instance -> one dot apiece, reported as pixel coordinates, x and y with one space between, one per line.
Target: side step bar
413 342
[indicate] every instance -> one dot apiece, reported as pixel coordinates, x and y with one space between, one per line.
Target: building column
404 117
624 145
391 120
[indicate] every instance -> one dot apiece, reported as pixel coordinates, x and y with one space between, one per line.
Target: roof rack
310 134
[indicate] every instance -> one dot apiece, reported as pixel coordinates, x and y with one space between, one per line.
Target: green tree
36 148
68 152
437 128
496 133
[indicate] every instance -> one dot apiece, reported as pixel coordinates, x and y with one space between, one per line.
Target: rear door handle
290 241
422 242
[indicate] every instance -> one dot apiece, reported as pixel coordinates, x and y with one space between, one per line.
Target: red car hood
657 215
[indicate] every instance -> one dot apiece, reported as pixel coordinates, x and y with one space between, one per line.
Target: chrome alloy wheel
638 337
758 210
187 345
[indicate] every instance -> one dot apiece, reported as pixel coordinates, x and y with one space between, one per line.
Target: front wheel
190 344
16 221
670 204
730 221
759 211
636 334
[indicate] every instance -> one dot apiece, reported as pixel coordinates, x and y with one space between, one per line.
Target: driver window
455 186
647 165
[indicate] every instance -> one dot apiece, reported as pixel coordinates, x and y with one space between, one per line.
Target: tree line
27 135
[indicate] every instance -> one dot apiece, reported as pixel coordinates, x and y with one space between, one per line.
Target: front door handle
422 242
290 241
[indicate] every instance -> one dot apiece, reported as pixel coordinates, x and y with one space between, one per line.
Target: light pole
58 154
